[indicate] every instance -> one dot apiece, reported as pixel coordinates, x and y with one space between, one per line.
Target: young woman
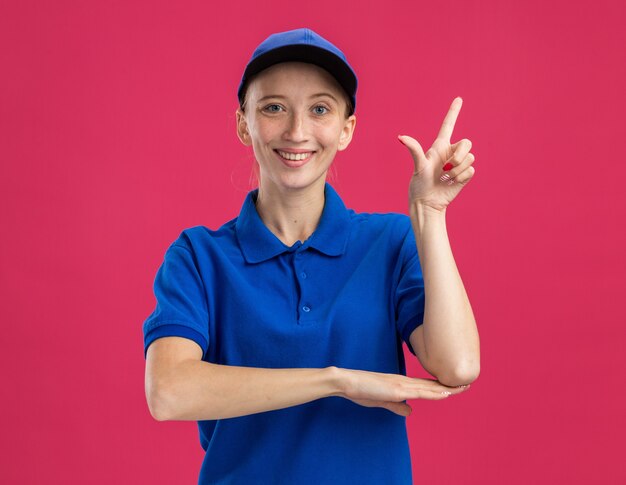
281 332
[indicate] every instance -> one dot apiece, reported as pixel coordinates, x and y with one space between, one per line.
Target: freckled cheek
329 140
267 134
261 139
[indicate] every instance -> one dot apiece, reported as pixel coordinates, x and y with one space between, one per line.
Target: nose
295 130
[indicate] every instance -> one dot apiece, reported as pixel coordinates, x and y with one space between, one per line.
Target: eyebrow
316 95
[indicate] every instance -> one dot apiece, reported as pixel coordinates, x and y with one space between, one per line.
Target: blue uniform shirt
346 297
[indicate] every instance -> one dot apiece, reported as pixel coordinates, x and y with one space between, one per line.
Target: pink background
117 131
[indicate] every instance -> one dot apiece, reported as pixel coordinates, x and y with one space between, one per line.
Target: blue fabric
347 297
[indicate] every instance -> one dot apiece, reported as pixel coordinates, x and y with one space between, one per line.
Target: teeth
294 156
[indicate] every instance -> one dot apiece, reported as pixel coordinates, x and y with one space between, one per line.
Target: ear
346 133
242 128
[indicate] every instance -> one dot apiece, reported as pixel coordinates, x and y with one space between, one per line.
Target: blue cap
301 45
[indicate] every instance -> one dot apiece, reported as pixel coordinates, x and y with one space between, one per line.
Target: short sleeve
409 297
181 309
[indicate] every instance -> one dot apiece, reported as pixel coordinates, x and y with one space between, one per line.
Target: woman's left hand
445 169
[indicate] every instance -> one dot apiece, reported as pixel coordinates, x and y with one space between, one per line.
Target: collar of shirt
258 243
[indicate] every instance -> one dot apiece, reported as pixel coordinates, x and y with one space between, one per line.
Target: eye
270 108
322 107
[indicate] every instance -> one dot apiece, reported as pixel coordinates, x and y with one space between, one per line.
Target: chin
299 181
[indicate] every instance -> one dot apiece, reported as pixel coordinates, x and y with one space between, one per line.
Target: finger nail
447 166
444 177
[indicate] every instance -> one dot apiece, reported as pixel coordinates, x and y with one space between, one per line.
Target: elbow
159 403
460 375
158 410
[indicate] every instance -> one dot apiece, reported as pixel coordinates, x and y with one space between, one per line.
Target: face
295 122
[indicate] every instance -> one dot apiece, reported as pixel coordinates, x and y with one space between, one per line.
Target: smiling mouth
294 157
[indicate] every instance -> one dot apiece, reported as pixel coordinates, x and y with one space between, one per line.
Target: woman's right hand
376 389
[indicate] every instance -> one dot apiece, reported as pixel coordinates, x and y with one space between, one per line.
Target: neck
291 215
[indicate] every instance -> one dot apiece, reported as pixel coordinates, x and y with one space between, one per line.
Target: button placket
304 311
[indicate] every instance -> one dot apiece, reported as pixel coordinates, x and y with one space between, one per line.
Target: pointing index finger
445 133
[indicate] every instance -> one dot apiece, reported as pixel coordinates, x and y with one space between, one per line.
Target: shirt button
303 274
306 309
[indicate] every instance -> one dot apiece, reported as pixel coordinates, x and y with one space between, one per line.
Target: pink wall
117 131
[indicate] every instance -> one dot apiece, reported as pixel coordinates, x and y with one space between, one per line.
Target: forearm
198 390
450 335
